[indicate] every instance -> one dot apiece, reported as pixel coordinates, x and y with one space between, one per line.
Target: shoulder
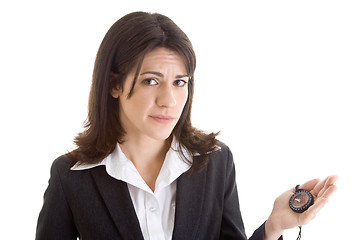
62 164
221 154
69 181
61 171
223 147
221 160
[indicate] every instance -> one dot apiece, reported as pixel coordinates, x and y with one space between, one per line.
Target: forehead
162 58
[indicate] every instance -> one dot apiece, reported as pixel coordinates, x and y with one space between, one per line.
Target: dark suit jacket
94 206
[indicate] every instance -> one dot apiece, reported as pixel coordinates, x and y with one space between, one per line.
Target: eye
150 82
180 83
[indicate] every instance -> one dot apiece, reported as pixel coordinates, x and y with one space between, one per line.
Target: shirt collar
118 166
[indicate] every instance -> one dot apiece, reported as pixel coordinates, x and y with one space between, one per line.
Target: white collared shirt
155 210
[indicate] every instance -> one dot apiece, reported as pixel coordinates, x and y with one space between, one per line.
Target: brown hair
123 49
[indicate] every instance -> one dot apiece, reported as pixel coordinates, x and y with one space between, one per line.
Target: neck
145 149
147 156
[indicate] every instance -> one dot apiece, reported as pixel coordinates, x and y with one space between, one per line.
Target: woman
141 170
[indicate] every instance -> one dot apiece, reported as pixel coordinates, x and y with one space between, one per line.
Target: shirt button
152 209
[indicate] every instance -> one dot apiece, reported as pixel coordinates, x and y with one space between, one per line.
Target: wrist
273 231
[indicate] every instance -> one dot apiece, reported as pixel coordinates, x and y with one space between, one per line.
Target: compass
301 200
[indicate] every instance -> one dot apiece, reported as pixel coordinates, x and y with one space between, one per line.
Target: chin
161 136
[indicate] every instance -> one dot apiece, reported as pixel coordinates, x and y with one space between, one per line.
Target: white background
279 79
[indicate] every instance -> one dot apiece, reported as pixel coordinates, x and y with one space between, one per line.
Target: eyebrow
159 74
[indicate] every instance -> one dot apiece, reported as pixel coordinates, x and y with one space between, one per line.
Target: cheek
141 102
182 99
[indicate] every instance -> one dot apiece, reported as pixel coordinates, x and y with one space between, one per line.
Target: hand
282 217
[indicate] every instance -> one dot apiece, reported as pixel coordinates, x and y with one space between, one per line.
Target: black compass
301 200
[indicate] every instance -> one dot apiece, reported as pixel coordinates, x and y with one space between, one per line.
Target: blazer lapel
118 201
189 203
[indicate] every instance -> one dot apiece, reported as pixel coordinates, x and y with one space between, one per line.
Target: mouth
164 119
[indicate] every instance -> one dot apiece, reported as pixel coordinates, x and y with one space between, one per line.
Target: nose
166 97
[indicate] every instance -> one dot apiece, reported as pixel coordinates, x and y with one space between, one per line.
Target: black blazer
92 205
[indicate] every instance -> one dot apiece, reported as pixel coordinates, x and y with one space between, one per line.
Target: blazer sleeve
259 234
232 219
55 220
232 226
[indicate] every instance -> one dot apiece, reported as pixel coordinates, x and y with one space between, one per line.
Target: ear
115 90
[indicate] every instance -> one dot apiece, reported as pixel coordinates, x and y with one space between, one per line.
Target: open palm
284 218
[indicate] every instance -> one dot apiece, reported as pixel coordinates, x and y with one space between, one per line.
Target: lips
164 119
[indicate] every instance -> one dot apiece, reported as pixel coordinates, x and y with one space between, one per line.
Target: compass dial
301 200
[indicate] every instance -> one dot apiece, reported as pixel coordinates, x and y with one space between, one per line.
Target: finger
329 191
328 183
319 203
319 186
309 185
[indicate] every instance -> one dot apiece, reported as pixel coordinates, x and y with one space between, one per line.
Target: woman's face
158 97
